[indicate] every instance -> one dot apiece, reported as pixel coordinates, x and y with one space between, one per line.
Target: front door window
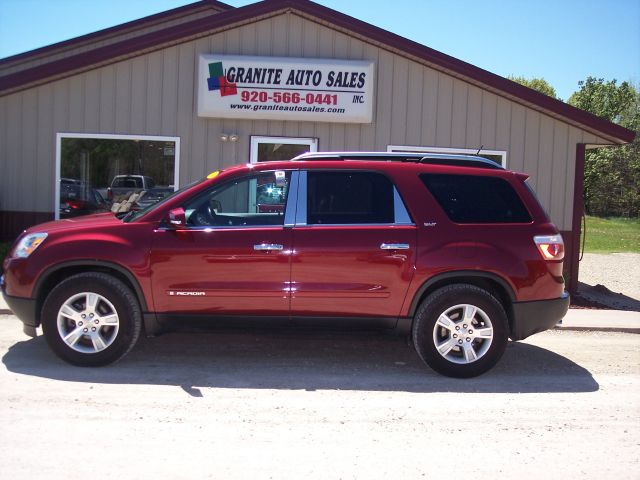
257 200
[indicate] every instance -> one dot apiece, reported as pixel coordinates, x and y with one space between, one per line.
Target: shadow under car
301 360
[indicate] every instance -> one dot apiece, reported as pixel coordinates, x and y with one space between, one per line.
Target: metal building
179 94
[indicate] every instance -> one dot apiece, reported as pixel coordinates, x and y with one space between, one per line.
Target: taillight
551 247
76 204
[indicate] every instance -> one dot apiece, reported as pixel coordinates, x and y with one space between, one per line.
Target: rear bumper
538 316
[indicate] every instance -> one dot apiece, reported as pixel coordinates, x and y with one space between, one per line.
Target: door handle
267 247
394 246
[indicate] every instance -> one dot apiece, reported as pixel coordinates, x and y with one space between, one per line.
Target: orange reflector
551 247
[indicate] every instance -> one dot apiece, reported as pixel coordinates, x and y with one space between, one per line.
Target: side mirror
177 218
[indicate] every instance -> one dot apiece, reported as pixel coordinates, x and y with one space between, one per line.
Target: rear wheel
460 331
91 319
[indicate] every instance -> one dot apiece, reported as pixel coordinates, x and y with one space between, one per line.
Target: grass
608 235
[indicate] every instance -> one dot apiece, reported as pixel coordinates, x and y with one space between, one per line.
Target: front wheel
460 331
91 319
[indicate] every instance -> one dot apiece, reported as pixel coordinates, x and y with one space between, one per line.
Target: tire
99 316
439 326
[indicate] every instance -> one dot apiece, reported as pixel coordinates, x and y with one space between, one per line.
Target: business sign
284 88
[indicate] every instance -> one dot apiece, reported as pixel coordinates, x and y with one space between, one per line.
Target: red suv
454 251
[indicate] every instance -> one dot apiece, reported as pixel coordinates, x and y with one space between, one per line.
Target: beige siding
28 138
4 157
155 95
9 187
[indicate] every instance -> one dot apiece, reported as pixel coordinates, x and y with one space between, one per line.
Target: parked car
79 198
454 251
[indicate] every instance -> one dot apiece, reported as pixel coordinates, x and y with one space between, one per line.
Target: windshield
134 215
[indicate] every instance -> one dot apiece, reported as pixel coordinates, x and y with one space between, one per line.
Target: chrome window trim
400 213
291 206
320 225
164 228
301 204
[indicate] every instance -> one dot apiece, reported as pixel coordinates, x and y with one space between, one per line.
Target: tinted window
472 199
349 198
258 200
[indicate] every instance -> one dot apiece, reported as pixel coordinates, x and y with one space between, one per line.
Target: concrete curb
597 329
601 321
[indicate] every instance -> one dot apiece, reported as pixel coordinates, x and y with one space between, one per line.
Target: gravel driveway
618 272
561 405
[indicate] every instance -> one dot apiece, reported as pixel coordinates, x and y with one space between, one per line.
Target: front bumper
23 308
538 316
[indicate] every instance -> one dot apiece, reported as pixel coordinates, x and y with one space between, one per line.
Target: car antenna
480 149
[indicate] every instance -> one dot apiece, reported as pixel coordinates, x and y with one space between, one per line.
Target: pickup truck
123 186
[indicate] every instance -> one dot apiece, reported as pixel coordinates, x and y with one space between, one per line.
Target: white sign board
284 88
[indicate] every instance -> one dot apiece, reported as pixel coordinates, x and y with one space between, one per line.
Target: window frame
401 214
256 140
451 150
109 136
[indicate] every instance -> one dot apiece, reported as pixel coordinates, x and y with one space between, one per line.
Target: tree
612 174
538 84
613 102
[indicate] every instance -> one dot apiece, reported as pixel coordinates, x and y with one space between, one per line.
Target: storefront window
116 174
268 149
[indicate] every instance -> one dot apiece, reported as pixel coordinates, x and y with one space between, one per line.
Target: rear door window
347 198
476 199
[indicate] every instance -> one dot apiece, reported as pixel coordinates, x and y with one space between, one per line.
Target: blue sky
562 41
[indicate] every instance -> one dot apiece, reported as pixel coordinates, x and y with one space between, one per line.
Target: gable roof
333 19
213 6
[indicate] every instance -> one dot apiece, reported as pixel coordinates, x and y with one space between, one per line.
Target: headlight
28 244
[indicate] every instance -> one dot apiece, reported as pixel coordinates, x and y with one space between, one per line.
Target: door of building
265 149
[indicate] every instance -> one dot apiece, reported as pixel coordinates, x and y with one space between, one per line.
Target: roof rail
428 158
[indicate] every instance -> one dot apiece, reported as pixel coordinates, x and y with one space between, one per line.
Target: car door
233 258
354 246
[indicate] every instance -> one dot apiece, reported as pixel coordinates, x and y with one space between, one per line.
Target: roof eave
116 29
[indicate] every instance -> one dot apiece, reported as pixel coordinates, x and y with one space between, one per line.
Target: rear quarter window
476 199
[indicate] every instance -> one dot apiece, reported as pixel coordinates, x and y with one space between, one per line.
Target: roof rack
428 158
